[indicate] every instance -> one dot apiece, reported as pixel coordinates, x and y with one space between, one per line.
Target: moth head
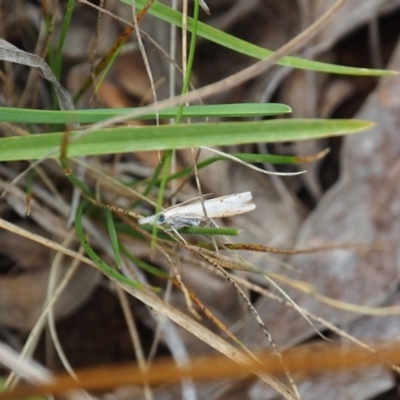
157 219
161 219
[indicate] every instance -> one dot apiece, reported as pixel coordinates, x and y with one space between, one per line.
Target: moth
192 214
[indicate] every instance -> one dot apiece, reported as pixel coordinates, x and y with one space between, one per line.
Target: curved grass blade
247 157
105 268
151 269
165 13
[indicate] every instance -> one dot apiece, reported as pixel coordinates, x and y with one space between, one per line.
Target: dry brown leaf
111 96
131 75
23 289
361 207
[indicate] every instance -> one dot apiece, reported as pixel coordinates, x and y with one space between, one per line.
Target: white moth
192 214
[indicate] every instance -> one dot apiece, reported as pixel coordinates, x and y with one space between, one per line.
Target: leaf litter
298 213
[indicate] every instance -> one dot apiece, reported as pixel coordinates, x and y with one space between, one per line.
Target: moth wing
193 210
178 209
219 207
195 200
230 205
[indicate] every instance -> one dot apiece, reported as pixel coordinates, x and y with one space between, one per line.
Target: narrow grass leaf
105 268
165 137
247 157
28 116
167 14
113 236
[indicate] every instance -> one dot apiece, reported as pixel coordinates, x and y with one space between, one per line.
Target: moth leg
213 223
179 235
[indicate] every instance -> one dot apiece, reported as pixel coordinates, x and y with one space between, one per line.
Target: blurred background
351 196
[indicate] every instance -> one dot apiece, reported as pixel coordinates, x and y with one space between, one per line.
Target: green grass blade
151 269
131 139
165 13
246 157
105 268
27 116
199 230
113 237
63 35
